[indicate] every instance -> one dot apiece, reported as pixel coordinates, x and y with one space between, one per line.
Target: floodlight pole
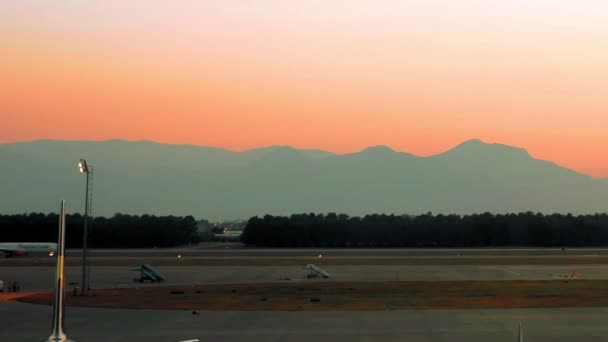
83 283
88 170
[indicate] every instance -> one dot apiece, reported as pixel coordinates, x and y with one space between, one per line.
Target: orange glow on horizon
418 76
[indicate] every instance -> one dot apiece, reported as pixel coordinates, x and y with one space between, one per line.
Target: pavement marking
513 272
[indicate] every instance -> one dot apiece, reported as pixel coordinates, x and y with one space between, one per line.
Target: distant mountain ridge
147 177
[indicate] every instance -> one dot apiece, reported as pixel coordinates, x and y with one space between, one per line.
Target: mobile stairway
147 273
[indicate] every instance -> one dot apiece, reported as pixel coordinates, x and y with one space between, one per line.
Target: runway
236 251
241 256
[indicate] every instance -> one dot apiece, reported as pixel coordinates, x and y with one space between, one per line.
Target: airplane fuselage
11 249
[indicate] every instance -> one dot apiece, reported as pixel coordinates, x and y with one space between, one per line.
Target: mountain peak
379 153
479 148
378 149
473 142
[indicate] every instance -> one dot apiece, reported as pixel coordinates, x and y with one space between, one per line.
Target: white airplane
11 249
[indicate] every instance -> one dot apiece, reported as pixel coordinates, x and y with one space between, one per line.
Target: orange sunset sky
419 76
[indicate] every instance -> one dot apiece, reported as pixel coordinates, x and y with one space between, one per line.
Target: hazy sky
419 76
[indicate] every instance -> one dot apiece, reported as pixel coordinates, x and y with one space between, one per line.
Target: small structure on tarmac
147 273
315 271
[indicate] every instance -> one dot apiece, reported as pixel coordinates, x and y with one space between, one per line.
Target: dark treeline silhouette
428 230
119 231
318 230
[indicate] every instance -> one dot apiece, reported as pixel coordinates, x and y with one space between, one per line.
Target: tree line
118 231
428 230
321 230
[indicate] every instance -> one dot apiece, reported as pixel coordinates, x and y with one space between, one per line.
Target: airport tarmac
104 277
30 322
243 256
235 251
118 271
27 322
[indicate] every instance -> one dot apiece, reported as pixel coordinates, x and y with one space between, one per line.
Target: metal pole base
57 333
58 339
520 337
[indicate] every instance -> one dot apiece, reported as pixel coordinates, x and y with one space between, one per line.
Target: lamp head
82 166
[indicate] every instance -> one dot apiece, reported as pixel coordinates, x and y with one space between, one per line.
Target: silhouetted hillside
146 177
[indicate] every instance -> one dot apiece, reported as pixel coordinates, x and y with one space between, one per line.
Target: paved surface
218 251
41 278
28 322
241 256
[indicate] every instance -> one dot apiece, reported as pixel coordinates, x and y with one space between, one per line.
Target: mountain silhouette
147 177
